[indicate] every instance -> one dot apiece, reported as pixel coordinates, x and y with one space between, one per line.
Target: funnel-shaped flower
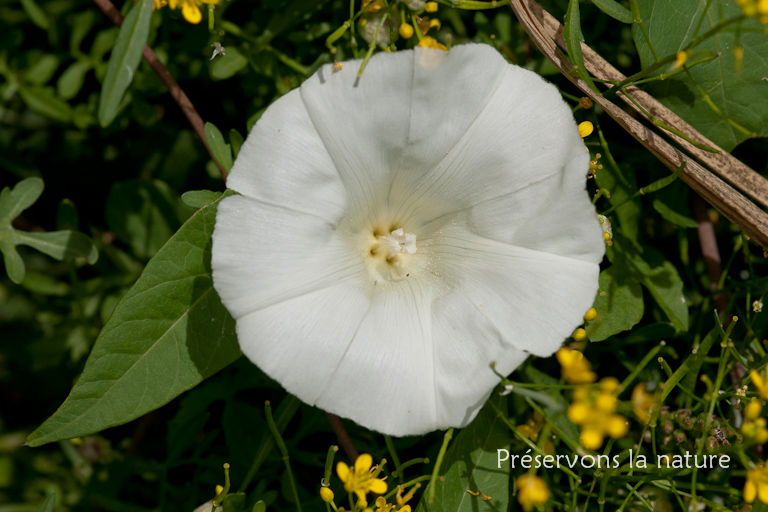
394 235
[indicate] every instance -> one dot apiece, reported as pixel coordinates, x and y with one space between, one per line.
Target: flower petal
532 298
284 162
363 463
385 380
363 122
377 486
343 471
191 12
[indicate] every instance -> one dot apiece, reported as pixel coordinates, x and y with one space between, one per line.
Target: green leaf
615 10
660 277
227 65
573 38
49 503
619 303
690 368
236 140
71 81
259 506
59 244
81 25
144 214
222 152
672 216
35 13
43 101
124 60
14 264
23 195
199 198
42 70
471 463
739 94
167 334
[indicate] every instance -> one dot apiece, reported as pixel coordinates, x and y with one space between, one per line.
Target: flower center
389 257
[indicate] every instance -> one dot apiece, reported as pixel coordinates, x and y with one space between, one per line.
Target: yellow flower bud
591 438
578 412
579 334
616 426
585 129
406 31
591 314
431 7
326 494
752 411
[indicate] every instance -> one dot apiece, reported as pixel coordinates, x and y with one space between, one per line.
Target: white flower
757 306
394 235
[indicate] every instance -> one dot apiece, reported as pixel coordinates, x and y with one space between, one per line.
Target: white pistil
398 240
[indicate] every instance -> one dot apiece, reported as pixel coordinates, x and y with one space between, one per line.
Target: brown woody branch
174 88
546 32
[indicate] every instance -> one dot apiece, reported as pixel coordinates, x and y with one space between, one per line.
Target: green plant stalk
653 187
574 447
285 412
408 464
283 451
223 494
372 45
395 459
664 76
440 455
635 8
329 464
407 484
640 367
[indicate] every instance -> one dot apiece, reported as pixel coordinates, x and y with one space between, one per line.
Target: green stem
440 455
283 451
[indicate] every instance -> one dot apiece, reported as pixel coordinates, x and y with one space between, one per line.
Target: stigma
399 241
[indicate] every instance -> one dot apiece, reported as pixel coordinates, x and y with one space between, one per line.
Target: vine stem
177 93
344 439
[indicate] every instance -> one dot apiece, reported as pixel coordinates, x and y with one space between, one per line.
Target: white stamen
398 240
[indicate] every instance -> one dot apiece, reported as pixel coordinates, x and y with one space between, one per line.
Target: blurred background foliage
121 186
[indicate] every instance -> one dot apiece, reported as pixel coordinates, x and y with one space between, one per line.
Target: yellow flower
680 58
579 334
361 478
754 427
326 494
576 369
591 314
531 491
760 383
531 430
757 484
431 42
585 129
594 410
643 403
406 31
431 7
755 8
190 9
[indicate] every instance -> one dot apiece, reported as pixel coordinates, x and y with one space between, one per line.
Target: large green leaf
471 463
619 303
739 94
124 59
167 334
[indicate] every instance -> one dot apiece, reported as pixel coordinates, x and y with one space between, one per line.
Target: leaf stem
440 455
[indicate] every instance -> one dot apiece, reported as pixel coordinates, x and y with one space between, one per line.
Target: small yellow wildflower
383 506
431 7
576 369
754 427
760 383
594 411
531 491
643 403
190 9
531 429
755 8
431 42
591 314
326 494
406 31
361 478
757 484
585 129
434 22
680 58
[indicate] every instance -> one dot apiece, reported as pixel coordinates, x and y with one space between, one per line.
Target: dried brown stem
174 88
545 31
341 434
711 253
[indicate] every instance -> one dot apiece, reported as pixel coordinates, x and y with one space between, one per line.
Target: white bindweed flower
395 235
